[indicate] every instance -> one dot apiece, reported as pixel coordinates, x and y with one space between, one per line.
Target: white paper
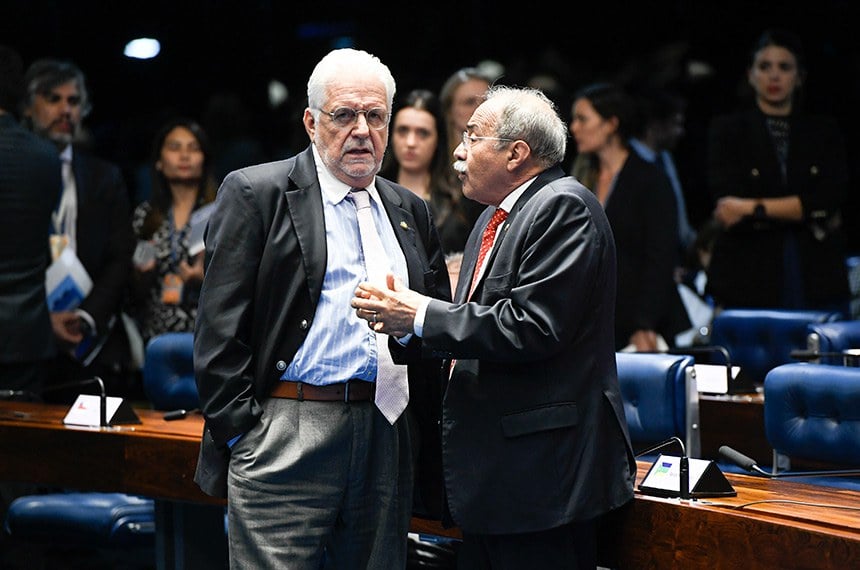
67 282
712 378
199 219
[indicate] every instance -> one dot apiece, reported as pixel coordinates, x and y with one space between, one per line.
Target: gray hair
44 75
335 64
527 114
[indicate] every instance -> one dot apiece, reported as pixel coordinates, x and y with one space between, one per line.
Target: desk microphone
178 414
750 464
684 464
37 396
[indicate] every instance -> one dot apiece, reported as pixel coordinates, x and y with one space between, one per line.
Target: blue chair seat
94 519
812 413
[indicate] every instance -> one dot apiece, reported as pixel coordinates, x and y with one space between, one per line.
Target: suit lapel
474 244
304 199
403 222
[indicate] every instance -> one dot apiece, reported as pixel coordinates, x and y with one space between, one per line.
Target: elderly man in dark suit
295 434
535 442
92 218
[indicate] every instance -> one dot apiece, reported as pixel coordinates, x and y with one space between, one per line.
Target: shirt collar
66 154
511 199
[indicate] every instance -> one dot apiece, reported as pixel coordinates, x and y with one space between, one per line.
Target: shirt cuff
420 313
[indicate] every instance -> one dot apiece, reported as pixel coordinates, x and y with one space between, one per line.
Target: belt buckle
346 392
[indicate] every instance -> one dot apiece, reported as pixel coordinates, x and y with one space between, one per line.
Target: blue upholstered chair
660 399
812 413
761 339
112 520
828 339
168 372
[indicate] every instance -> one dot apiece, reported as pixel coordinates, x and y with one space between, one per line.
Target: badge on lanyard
171 289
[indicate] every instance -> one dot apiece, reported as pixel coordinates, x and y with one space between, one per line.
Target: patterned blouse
154 315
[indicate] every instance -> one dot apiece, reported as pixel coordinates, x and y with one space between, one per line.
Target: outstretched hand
390 310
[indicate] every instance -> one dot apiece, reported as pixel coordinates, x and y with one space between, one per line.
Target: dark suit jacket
265 263
105 238
747 264
105 244
30 185
534 433
643 214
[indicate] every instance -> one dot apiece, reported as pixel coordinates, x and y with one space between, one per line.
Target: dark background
229 46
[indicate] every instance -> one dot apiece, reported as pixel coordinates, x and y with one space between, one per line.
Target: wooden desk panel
734 420
158 458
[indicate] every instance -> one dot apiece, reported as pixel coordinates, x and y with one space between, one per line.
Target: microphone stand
102 395
749 464
684 465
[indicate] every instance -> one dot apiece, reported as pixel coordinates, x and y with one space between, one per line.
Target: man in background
92 220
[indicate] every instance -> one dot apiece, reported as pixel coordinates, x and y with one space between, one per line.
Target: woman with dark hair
641 209
168 264
418 159
779 178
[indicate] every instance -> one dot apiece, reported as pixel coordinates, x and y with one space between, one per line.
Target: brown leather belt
352 391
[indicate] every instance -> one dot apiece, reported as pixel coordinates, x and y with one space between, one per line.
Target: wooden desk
155 458
158 458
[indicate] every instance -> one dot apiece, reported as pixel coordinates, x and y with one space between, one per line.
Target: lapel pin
404 225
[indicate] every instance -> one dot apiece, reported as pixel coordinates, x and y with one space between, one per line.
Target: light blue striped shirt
339 345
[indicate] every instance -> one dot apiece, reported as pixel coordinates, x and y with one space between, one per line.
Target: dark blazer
534 433
747 262
105 244
30 184
104 235
643 214
265 263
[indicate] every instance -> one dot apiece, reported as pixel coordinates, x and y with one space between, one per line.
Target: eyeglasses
469 139
342 117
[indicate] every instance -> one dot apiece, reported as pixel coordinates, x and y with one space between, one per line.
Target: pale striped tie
392 385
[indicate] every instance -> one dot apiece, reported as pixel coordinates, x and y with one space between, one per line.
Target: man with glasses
315 465
534 437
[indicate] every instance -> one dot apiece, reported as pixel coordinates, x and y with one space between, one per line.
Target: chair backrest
832 338
761 339
660 398
812 412
168 372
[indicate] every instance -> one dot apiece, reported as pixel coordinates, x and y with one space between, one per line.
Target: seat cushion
94 519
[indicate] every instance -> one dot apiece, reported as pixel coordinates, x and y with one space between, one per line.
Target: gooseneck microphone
749 464
683 465
8 394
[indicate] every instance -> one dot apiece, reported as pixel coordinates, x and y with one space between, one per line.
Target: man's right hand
67 328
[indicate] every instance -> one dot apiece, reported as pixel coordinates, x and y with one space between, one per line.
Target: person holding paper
91 221
168 261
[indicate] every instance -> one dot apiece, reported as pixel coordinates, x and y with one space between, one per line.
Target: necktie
487 239
392 385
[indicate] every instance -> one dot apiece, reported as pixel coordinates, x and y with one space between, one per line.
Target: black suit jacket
643 214
30 186
534 433
105 239
747 263
265 263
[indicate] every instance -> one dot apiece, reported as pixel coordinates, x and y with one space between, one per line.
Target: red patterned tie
489 236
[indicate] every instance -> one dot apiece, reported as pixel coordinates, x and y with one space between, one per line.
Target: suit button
813 170
304 325
754 172
281 365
